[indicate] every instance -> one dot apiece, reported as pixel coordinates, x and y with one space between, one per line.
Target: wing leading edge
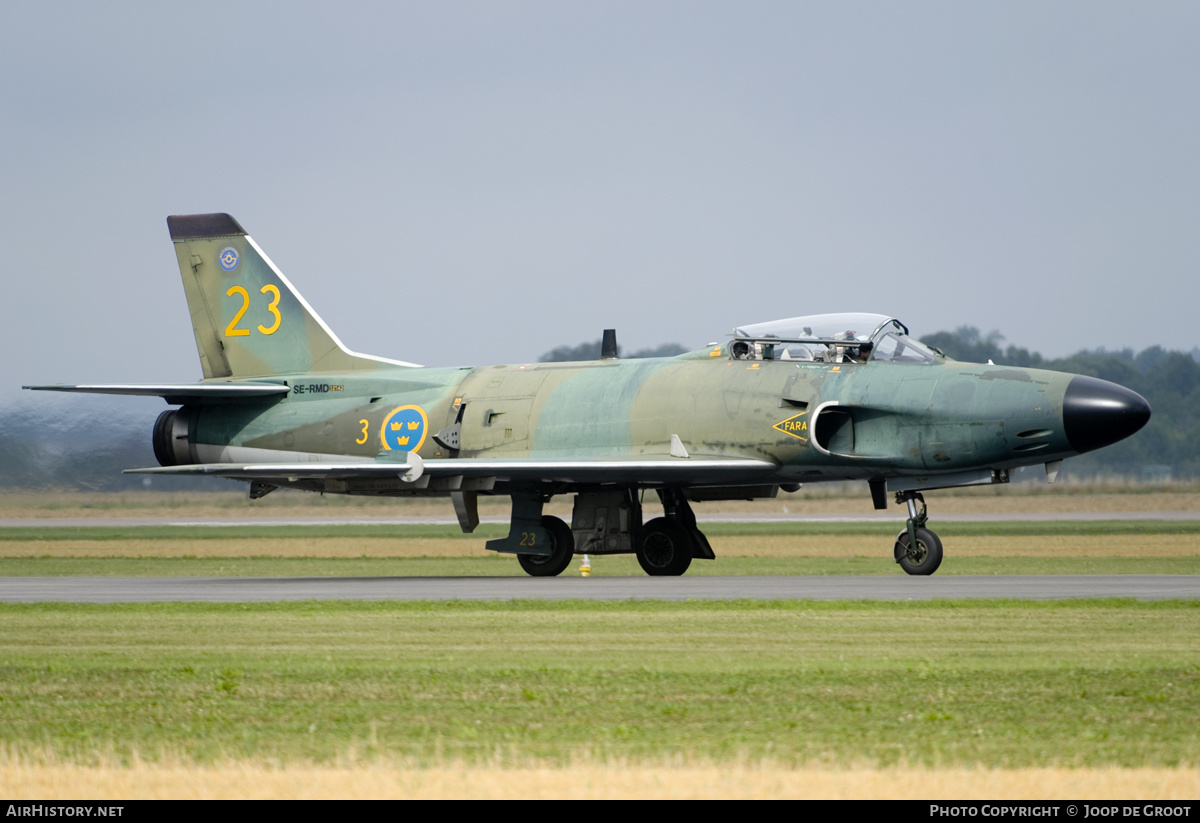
641 469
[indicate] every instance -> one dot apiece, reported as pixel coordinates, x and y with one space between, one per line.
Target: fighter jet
803 400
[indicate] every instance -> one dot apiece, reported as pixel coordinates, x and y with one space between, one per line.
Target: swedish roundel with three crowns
404 429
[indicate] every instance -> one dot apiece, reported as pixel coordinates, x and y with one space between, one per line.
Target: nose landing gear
918 550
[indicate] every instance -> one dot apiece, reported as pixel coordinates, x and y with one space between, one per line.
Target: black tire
923 560
666 548
551 565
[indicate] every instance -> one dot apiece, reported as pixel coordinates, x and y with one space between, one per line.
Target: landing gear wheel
924 558
563 543
666 548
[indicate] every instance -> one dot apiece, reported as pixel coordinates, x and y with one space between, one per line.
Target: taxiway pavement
718 517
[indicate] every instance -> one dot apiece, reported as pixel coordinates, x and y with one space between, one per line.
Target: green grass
1000 684
989 683
487 564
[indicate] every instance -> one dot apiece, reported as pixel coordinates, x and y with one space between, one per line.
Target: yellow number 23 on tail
273 307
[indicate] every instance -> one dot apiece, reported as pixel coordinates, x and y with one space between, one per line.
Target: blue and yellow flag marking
404 429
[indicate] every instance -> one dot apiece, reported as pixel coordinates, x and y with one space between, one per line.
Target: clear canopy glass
830 338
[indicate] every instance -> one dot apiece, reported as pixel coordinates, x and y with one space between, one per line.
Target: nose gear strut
918 550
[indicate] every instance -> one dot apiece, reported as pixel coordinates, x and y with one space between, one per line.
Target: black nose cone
1097 413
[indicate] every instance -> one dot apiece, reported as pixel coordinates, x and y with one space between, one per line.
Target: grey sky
457 183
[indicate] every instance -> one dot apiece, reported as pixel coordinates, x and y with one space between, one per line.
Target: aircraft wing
643 469
176 393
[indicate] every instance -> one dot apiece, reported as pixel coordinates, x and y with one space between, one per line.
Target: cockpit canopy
830 338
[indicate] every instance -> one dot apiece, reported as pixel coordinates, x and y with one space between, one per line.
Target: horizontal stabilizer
176 393
282 471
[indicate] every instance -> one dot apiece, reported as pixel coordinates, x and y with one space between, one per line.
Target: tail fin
248 319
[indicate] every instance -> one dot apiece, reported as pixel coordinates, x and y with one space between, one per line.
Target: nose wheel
918 550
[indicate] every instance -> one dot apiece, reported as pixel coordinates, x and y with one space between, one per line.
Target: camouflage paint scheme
284 403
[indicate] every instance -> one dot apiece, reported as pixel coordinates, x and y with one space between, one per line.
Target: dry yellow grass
189 505
270 547
1152 545
590 781
950 502
281 504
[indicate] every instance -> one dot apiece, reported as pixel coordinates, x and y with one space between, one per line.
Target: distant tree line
83 443
591 351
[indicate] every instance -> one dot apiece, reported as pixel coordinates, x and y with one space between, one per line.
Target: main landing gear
666 548
562 548
918 550
669 543
604 522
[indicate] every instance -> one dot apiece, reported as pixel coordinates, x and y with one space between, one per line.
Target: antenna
608 346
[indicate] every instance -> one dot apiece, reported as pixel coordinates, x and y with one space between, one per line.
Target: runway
892 587
449 520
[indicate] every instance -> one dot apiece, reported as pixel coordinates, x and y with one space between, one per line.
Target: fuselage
815 421
847 396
